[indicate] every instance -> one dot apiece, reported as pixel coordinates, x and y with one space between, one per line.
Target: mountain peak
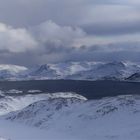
72 70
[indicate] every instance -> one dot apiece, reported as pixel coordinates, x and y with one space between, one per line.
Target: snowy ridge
74 105
13 103
9 103
72 70
13 68
85 71
11 72
134 77
67 116
47 110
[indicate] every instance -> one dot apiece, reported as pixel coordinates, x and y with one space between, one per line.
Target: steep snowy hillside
13 103
47 110
9 103
107 119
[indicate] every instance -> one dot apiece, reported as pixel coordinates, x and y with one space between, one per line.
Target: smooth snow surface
2 138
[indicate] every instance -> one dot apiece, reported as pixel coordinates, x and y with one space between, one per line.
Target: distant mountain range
73 70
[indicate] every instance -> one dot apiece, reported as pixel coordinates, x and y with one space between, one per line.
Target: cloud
98 17
42 43
49 42
45 31
52 33
15 40
112 20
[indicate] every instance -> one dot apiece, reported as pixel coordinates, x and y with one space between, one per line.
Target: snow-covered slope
41 114
13 103
81 109
9 103
112 118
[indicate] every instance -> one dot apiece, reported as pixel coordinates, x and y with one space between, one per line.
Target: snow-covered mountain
134 77
13 103
85 71
44 112
110 118
72 70
9 72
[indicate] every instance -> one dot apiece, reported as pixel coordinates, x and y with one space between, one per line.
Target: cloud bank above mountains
45 31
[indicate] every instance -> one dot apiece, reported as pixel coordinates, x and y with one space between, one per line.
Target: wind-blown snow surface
72 117
73 70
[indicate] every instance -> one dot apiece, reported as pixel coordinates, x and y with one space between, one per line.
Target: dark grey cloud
110 52
33 12
113 29
74 12
45 31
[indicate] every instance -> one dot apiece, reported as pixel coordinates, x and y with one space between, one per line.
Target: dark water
89 89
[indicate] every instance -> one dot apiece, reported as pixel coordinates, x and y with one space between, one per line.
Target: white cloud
38 38
15 40
50 32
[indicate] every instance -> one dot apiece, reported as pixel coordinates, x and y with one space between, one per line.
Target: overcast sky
49 31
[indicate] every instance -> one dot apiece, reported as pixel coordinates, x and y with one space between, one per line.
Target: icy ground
69 116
